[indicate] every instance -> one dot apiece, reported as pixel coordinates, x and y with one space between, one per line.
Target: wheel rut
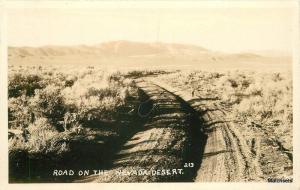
178 132
226 157
171 136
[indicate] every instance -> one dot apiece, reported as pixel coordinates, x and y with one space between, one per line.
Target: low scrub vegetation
48 106
254 100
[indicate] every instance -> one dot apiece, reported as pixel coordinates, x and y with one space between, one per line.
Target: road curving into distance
181 141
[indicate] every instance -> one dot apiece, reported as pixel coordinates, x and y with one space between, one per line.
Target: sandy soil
228 156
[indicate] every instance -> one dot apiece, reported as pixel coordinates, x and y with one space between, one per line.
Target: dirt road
170 137
227 156
181 130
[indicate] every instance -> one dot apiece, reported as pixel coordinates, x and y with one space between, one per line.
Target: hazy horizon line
284 51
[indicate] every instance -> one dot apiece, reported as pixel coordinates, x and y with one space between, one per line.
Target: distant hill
115 48
144 55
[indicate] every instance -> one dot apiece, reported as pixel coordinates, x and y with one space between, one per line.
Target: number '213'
189 165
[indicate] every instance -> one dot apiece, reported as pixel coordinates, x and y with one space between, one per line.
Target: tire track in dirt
170 137
227 157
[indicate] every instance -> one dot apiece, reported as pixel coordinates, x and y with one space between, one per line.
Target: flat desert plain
127 111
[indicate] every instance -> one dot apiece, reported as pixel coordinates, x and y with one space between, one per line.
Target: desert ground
148 112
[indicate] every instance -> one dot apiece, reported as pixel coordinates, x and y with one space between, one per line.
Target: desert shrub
40 124
70 82
142 73
19 84
45 139
98 96
57 79
42 138
115 77
20 114
101 93
48 103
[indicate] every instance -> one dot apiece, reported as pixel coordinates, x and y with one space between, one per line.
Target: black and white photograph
151 92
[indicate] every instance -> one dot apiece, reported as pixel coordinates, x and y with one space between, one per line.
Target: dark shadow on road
197 138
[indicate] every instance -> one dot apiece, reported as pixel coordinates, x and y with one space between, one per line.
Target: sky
228 28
